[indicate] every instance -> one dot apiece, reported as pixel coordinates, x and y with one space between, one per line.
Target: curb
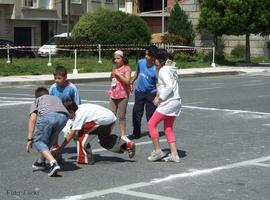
97 79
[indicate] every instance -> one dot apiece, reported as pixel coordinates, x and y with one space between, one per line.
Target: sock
41 160
52 162
125 138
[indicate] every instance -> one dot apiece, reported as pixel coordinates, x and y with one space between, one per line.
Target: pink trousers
168 124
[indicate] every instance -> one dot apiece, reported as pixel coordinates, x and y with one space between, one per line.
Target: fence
99 48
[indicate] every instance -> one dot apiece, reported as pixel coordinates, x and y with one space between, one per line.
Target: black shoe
133 137
53 169
39 166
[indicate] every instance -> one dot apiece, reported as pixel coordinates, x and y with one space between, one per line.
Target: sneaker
133 137
53 169
156 155
130 148
39 165
171 158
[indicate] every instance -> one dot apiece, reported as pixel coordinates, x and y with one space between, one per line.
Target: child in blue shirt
64 90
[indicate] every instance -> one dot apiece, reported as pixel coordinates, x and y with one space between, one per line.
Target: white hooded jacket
168 82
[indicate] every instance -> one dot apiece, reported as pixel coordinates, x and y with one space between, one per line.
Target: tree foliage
235 17
111 27
180 25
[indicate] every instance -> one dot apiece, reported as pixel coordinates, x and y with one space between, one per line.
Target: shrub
171 38
239 51
111 27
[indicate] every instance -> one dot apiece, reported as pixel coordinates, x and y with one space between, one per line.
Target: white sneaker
125 138
156 155
171 158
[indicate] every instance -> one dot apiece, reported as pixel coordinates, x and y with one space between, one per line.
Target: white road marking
146 195
227 110
125 188
261 164
258 84
266 124
216 83
17 94
17 98
15 103
211 170
209 88
263 96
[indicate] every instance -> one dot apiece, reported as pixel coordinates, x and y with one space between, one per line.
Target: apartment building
33 22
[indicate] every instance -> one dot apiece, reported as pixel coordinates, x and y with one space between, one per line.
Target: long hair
162 56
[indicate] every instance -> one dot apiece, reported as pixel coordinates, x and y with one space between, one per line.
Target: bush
239 51
111 27
171 38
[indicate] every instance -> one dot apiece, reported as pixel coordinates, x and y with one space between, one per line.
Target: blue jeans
47 130
142 99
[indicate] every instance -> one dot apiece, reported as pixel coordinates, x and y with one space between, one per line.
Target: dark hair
162 56
60 71
40 91
152 49
125 59
70 105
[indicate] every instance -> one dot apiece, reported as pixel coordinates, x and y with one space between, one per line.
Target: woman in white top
168 101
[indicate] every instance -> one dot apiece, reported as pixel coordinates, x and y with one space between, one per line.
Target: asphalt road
223 138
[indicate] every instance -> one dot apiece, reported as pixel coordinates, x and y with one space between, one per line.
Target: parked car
14 52
50 46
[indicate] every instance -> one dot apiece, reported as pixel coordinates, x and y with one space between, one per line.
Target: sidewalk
104 76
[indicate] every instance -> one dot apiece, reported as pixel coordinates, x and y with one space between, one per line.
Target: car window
54 40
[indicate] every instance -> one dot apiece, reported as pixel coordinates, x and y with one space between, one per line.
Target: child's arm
69 137
31 126
125 78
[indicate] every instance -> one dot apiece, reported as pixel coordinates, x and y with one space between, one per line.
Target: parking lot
222 134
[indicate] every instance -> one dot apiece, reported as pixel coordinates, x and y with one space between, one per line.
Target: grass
38 66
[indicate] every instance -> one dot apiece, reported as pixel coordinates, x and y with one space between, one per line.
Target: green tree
235 17
111 27
180 25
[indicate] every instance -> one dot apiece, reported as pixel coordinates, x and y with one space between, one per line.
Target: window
30 3
109 1
76 1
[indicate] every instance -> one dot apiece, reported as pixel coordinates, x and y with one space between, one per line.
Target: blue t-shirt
147 77
68 92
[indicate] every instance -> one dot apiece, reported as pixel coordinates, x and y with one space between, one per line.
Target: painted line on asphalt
17 98
261 164
258 84
15 103
209 88
211 170
146 195
227 110
125 188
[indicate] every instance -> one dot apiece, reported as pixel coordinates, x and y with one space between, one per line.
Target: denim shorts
47 129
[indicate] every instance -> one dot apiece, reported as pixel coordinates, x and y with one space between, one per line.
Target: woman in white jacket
168 101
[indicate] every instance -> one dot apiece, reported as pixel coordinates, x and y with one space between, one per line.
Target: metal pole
68 17
50 57
213 63
99 54
162 25
75 71
8 57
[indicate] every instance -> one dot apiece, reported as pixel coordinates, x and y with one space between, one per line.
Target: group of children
60 109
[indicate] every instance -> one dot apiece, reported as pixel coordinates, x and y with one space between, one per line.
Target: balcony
11 2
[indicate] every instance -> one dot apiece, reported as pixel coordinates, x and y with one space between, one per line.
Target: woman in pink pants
168 101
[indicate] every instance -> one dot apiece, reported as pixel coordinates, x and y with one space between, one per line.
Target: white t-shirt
92 113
